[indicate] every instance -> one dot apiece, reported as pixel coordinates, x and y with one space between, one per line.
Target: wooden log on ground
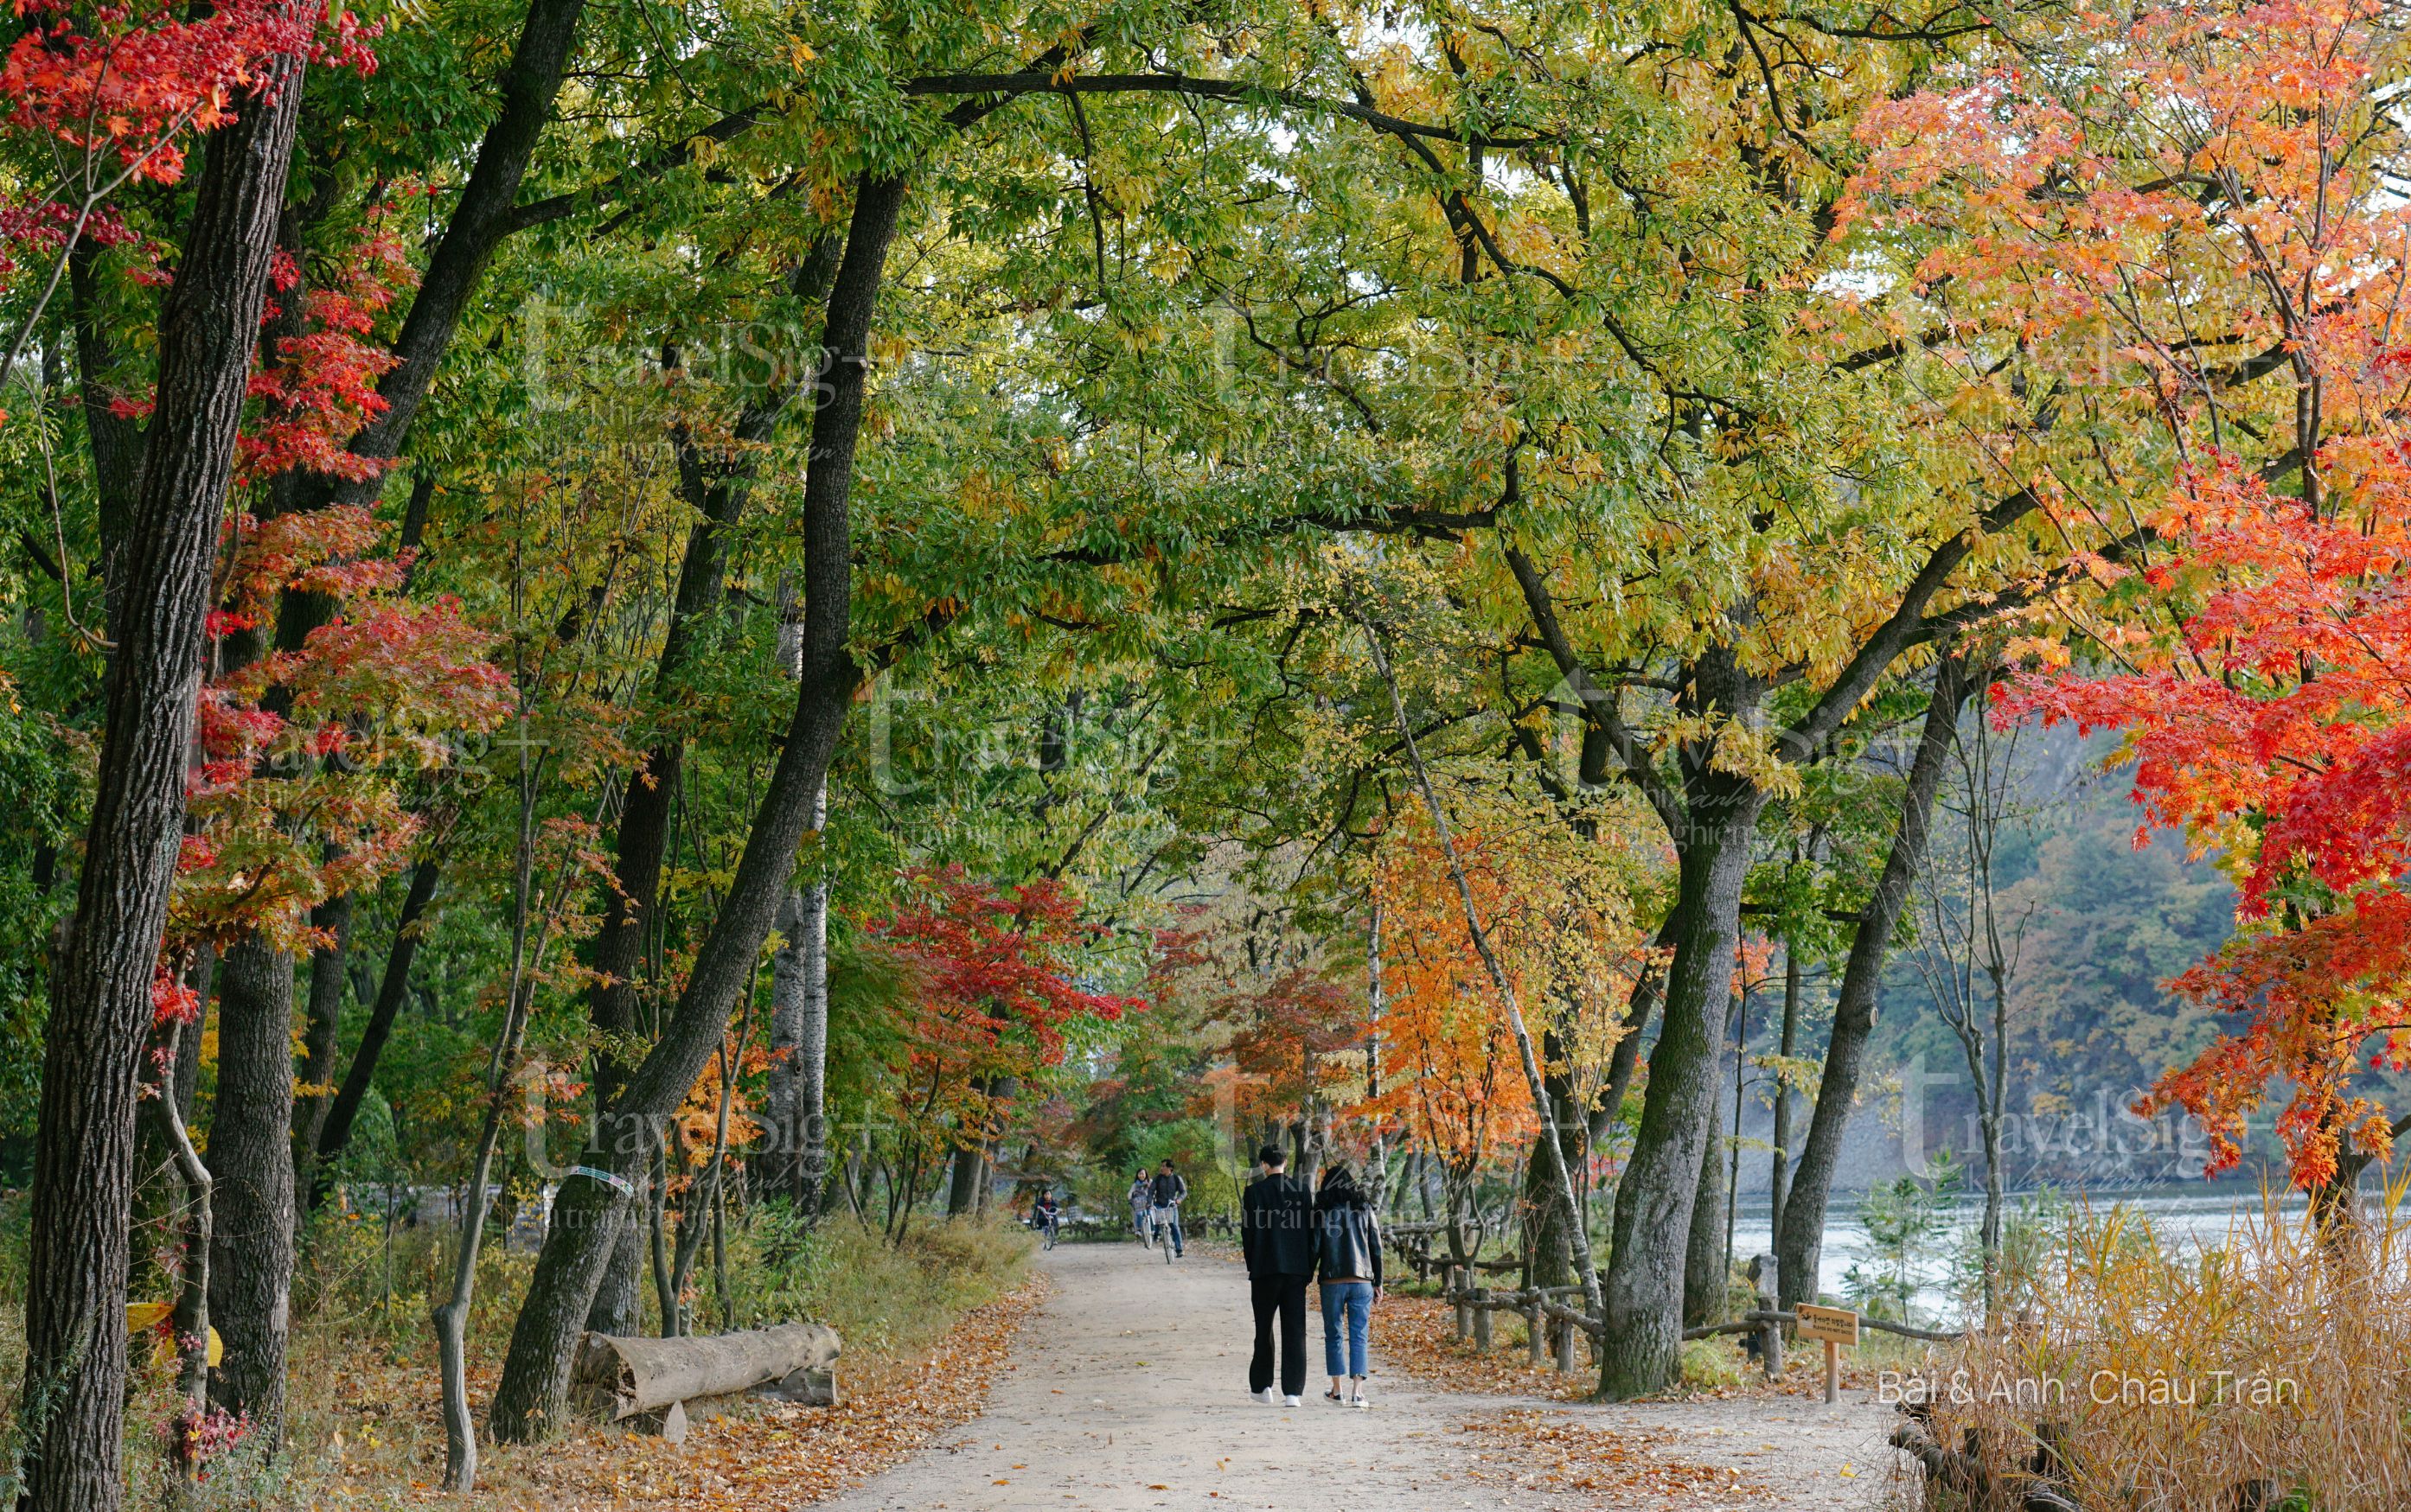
617 1377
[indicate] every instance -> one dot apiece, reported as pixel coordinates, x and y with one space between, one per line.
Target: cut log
668 1424
806 1388
617 1377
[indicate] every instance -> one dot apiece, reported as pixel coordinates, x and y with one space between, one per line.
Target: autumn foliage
1000 993
2196 201
1451 1079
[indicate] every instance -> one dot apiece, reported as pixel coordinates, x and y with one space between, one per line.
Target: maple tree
2199 222
1001 999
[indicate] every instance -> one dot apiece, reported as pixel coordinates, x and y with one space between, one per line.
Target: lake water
2199 1213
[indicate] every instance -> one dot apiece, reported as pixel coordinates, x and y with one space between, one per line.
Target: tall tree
75 1367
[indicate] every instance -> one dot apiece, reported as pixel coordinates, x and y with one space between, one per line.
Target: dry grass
2270 1366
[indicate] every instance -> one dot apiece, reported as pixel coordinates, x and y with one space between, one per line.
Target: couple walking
1291 1235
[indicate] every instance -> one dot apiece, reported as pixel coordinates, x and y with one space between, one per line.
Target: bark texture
1703 1250
620 1377
800 1038
75 1371
251 1156
1643 1348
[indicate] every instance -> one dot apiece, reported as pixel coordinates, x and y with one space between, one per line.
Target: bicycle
1163 1236
1052 1227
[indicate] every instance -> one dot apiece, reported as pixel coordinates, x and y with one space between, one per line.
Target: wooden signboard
1832 1327
1829 1325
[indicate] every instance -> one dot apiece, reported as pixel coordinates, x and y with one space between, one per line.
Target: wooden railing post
1536 1328
1482 1335
1770 1337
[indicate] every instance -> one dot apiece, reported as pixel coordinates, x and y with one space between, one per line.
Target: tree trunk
1550 1236
191 1319
485 214
201 976
393 990
100 1015
251 1156
969 1174
1704 1254
321 1025
532 1398
1625 1059
798 1089
1800 1244
717 488
1643 1348
620 1296
620 1377
1780 1177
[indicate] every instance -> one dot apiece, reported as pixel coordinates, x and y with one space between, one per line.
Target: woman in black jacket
1347 1258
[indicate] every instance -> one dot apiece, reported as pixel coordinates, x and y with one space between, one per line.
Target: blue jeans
1350 1302
1170 1218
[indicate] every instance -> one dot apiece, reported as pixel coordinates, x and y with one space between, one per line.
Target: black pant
1284 1294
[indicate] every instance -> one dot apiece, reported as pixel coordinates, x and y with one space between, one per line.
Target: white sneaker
1290 1402
1264 1396
1360 1400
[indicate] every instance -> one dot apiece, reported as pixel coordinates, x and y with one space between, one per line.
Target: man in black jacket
1276 1238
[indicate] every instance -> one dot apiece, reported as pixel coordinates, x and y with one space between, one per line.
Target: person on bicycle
1045 1216
1165 1193
1142 1199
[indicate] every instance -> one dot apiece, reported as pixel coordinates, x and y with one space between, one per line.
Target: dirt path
1127 1393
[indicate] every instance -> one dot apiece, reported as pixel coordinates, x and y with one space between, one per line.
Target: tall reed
2270 1369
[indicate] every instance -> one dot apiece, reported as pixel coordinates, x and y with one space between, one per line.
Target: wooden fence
1553 1315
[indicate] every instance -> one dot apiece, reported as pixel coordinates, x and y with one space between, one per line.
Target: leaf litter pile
1417 1336
740 1455
1547 1451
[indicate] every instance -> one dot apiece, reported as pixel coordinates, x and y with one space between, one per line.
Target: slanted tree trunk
1550 1152
100 1017
1800 1244
1625 1059
393 990
487 211
191 1319
201 976
322 1022
716 486
532 1398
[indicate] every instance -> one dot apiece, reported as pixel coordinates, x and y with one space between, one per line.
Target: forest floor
1126 1391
